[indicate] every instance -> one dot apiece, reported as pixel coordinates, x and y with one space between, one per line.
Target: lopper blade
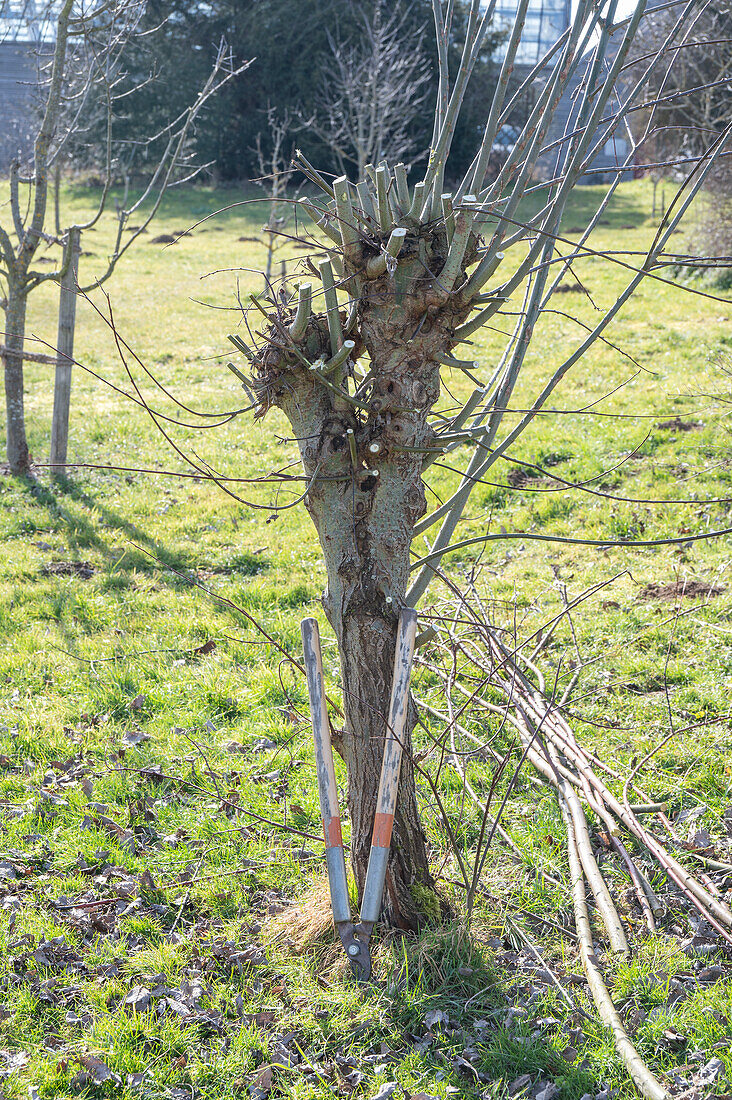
355 939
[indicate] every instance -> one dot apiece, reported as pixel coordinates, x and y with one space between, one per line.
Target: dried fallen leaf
138 702
13 1062
154 773
387 1089
674 1038
134 737
264 744
709 1073
138 999
262 1081
436 1016
98 1070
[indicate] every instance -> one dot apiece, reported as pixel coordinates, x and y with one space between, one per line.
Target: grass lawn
161 935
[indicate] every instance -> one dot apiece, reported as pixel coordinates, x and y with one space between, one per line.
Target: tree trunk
364 459
17 445
366 646
365 496
364 523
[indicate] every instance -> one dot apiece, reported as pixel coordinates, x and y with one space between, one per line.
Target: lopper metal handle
327 789
391 764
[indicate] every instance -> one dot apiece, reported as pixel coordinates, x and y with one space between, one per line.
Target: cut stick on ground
638 1070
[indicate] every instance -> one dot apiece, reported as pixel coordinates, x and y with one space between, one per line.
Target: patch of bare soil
690 589
163 238
519 479
676 424
531 477
83 569
570 288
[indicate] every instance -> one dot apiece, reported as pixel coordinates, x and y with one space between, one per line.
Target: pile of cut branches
550 745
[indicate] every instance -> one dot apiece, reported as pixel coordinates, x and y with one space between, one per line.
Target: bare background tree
274 159
368 104
81 73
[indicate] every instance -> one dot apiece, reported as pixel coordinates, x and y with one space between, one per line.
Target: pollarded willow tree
409 272
408 275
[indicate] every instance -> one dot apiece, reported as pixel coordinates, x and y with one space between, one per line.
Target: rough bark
17 446
364 512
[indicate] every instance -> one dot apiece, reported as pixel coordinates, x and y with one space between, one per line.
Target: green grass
102 684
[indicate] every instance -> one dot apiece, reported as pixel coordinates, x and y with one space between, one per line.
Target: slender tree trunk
57 197
17 445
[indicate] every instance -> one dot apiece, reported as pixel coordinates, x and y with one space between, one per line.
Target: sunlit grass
87 663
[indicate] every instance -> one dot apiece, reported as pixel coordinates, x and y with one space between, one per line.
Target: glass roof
545 22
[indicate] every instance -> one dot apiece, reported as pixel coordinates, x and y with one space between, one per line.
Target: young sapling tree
85 75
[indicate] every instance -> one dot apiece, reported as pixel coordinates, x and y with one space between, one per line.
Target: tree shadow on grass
81 530
86 524
626 210
146 554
